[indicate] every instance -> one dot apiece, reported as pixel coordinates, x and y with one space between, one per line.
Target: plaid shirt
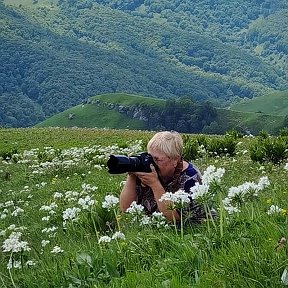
193 212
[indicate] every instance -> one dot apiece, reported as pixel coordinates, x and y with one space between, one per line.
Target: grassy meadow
60 225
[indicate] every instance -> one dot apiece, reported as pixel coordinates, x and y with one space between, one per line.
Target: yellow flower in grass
268 201
283 212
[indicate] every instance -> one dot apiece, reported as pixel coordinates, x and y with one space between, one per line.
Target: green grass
272 104
29 138
238 252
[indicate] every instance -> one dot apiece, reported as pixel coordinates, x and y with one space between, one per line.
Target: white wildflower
14 244
44 243
179 196
135 208
30 263
212 174
49 229
158 219
71 214
13 264
86 188
57 195
110 202
46 218
274 209
263 183
105 239
86 202
56 250
199 191
48 208
145 220
118 235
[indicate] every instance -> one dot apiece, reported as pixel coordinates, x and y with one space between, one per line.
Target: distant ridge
108 111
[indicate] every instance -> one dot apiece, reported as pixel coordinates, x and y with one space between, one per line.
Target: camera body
118 164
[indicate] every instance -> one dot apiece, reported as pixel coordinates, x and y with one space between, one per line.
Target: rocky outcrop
134 111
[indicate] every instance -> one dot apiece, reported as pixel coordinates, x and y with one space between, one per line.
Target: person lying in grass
170 173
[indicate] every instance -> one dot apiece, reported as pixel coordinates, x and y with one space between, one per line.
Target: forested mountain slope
56 54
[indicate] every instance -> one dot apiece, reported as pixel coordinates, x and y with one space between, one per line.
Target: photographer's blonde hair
168 142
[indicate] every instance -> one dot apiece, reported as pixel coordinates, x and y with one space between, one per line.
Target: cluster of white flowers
50 231
179 197
274 209
136 211
110 202
15 264
135 208
157 219
86 202
44 243
17 211
286 166
14 244
71 214
238 195
116 236
69 158
211 174
145 220
104 239
49 208
57 195
8 205
56 250
87 188
71 196
202 192
199 191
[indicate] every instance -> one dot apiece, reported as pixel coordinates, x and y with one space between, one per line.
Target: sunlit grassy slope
249 121
273 104
101 116
94 115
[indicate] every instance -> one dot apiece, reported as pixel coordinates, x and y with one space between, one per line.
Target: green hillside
94 115
104 111
247 121
55 54
273 104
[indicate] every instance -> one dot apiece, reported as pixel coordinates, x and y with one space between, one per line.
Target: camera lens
118 164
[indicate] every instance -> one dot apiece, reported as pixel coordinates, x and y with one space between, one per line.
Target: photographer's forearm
128 193
164 206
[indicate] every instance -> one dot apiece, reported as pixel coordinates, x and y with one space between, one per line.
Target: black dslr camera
118 164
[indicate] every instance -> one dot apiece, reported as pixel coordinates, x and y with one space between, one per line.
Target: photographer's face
165 164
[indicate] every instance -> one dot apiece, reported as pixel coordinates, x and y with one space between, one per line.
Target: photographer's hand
152 180
148 178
